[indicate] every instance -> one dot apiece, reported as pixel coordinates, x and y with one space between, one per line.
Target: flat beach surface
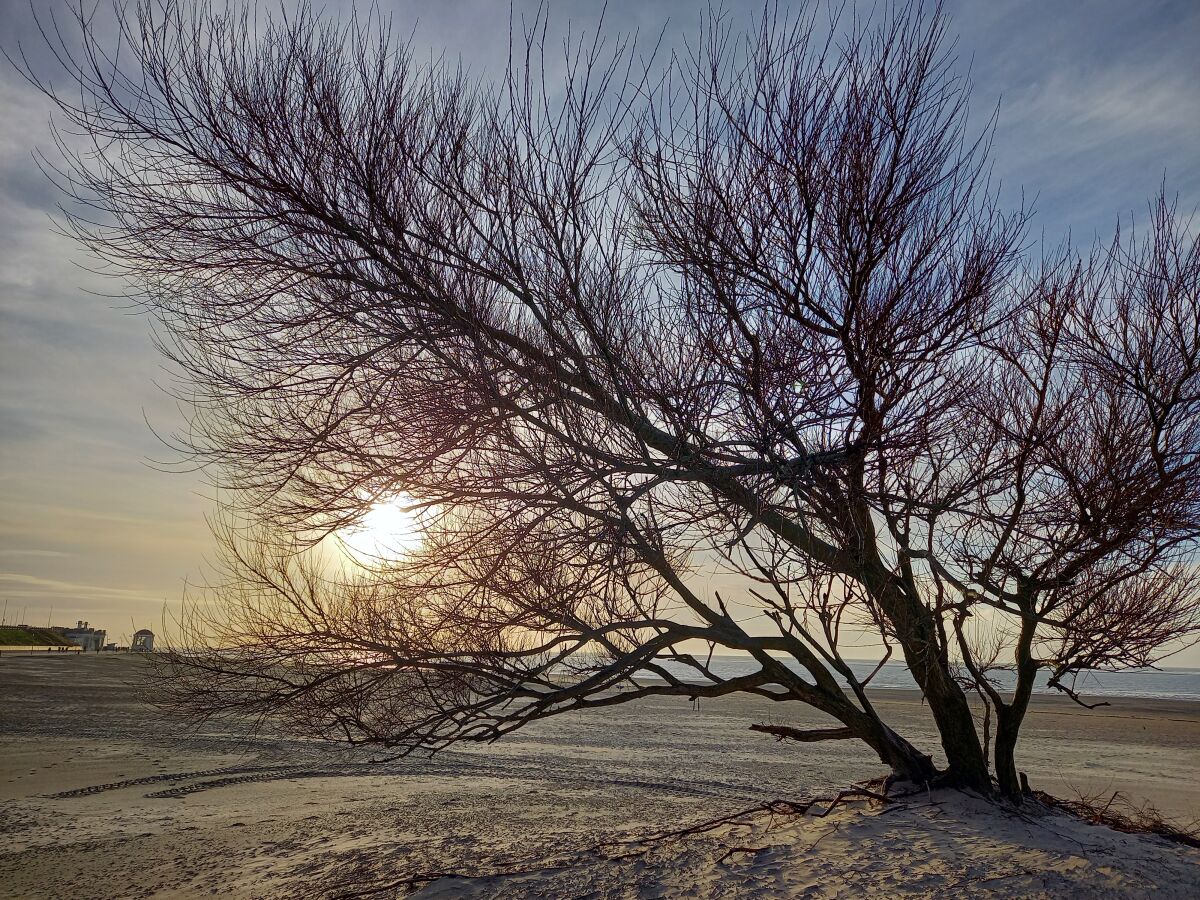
103 797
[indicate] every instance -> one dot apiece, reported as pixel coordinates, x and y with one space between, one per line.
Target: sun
390 529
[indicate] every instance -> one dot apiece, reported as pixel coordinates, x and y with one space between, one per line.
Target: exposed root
1120 814
749 851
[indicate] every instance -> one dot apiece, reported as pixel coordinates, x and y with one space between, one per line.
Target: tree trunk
916 633
1010 716
906 761
1006 761
956 726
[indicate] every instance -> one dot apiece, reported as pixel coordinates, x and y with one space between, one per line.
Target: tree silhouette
753 310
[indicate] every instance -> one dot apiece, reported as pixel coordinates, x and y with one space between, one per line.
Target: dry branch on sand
631 848
1117 812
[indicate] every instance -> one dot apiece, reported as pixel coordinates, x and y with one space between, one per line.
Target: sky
1098 105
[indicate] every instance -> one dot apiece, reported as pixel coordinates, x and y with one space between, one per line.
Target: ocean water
1164 683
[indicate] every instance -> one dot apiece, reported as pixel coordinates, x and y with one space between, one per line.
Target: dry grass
1122 814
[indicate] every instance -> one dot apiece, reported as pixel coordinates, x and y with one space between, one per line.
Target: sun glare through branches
389 530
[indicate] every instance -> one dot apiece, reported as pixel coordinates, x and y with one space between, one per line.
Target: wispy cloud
20 586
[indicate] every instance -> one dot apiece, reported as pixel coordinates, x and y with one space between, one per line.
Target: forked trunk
915 631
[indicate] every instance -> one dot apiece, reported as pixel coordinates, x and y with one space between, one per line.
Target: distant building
85 636
143 641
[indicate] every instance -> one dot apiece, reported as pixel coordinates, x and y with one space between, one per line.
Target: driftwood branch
804 735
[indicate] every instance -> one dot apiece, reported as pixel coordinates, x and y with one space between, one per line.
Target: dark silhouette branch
804 735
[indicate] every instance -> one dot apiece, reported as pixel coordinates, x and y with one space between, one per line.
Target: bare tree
754 309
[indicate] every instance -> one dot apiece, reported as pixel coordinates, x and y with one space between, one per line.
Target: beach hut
143 641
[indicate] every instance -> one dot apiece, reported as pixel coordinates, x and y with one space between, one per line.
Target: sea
1164 683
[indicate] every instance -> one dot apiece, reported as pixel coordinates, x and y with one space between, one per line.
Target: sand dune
942 844
104 798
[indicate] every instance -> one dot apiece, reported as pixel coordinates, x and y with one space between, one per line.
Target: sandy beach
104 797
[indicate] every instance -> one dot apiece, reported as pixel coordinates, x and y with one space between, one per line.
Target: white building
86 637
